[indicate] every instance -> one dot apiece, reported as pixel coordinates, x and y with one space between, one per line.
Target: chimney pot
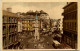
9 9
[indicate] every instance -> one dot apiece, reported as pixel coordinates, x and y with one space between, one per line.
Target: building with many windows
28 24
10 36
70 24
28 21
43 20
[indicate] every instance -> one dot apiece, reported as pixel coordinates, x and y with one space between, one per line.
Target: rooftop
6 13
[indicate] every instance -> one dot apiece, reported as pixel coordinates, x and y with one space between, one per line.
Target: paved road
46 44
43 45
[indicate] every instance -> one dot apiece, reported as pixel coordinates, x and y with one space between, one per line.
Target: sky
54 9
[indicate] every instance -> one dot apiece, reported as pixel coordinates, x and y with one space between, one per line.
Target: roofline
68 4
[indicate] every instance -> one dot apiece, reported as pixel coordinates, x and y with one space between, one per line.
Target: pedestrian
43 45
35 46
27 45
48 43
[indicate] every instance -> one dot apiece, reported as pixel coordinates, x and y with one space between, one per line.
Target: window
13 20
4 41
66 25
70 25
15 28
9 28
15 37
12 28
75 26
75 17
9 20
10 39
3 19
4 29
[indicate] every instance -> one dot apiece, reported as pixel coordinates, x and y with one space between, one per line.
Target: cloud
54 10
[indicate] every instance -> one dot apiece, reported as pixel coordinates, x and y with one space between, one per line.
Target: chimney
9 9
18 13
67 2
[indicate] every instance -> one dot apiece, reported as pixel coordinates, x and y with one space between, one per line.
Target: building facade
19 19
19 25
70 24
60 26
10 30
28 24
29 21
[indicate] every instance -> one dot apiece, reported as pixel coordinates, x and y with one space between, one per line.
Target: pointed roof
42 12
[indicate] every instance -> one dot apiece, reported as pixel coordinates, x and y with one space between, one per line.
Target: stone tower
36 35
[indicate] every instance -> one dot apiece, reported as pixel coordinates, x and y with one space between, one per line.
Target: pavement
40 45
66 46
45 44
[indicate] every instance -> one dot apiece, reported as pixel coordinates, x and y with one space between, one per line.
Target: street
42 45
27 43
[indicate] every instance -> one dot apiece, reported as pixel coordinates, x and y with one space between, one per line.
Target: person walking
48 43
43 45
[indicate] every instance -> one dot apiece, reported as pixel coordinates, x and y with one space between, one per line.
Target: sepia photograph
40 25
51 50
